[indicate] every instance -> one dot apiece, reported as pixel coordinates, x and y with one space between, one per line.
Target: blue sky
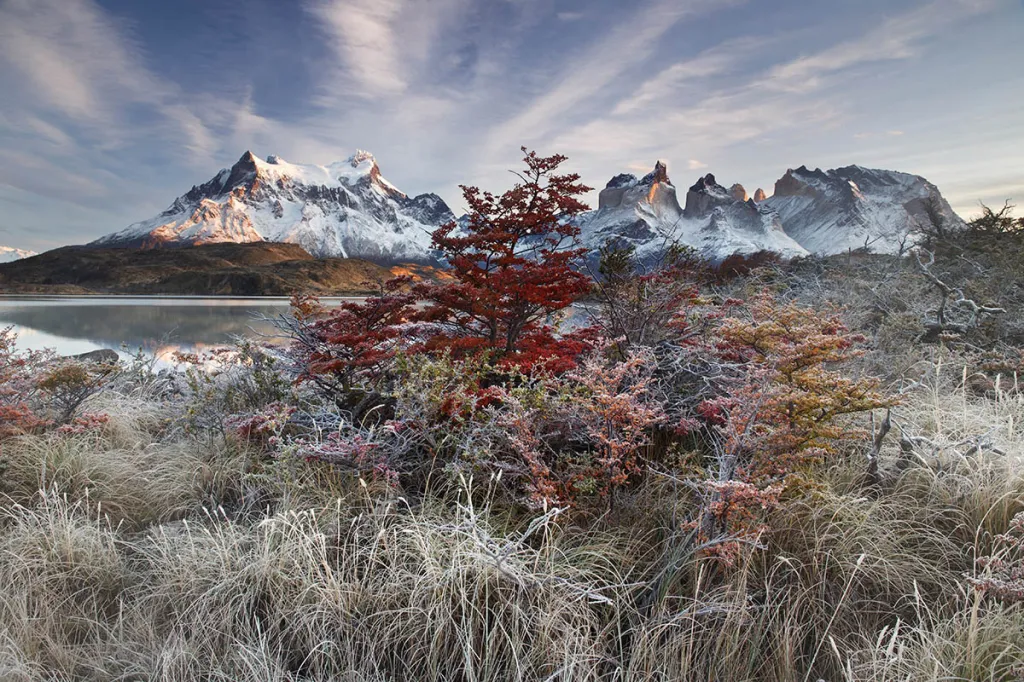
109 109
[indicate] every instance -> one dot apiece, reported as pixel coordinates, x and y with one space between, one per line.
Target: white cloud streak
82 65
363 36
589 73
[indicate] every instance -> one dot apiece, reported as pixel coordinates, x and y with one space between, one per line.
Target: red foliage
355 342
264 426
18 384
739 265
579 437
86 423
513 269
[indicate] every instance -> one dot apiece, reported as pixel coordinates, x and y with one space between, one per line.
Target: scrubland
140 550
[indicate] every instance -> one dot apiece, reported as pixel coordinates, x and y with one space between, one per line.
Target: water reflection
158 325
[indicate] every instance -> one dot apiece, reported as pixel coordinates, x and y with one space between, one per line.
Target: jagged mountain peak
851 207
704 195
361 156
646 215
659 174
811 211
346 208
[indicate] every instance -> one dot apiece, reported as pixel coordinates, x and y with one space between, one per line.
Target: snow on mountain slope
348 209
9 254
717 222
344 209
829 212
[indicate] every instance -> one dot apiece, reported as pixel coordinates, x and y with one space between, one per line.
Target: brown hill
257 269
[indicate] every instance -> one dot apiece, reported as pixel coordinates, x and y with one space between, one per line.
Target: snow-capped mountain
832 211
811 212
345 209
9 254
718 222
348 209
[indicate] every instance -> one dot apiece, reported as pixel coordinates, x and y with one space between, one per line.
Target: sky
109 109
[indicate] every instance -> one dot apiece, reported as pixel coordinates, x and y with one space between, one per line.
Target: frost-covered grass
139 552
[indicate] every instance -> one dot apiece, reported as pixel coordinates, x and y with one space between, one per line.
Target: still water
159 325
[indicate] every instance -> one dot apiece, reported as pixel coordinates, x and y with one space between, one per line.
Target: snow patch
9 254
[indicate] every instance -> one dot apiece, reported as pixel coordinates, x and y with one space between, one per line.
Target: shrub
68 384
780 408
353 345
1003 571
636 301
515 266
19 389
228 382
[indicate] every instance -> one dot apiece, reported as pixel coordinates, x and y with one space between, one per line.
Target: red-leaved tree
353 345
514 266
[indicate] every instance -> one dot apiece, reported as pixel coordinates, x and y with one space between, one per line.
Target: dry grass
138 554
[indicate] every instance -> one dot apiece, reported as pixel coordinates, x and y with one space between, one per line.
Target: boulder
103 356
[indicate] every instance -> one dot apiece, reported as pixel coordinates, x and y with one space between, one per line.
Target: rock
704 196
103 356
738 192
829 212
625 190
759 195
659 174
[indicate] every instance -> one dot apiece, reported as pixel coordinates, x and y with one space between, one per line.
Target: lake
159 325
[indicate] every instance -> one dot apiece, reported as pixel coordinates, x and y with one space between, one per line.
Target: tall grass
140 553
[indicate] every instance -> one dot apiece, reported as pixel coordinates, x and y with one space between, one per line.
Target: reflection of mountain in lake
145 326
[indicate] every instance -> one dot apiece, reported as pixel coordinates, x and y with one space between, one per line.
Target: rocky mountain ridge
819 212
348 209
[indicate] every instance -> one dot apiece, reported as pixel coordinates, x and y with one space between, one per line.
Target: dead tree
955 312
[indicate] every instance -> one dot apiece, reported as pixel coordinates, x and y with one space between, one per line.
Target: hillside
258 269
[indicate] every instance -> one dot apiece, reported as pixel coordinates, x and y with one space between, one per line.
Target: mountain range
348 209
811 211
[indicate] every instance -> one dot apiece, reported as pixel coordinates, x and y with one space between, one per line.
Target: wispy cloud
897 38
363 36
722 59
84 66
384 46
591 71
444 91
739 92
